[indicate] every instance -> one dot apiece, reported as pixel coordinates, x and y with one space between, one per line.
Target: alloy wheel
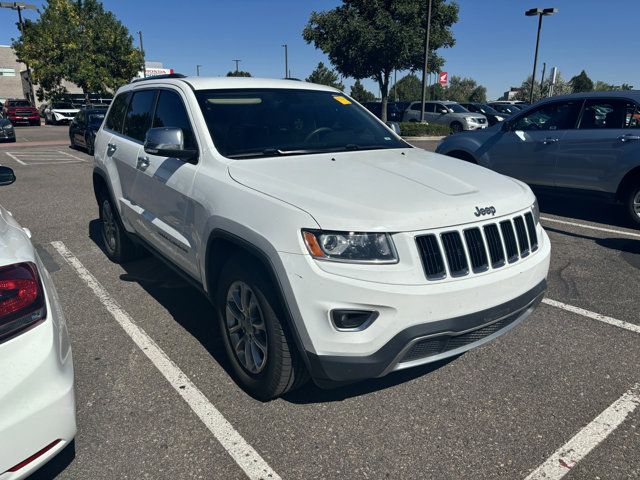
636 203
109 231
245 327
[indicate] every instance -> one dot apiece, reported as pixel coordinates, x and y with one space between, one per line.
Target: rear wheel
632 202
262 355
117 244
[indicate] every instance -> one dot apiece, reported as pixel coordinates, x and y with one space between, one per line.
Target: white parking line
15 158
595 316
567 456
244 455
72 156
591 227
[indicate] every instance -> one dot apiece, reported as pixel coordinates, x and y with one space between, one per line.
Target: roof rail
159 77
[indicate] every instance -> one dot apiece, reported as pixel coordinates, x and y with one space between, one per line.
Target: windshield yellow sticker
342 100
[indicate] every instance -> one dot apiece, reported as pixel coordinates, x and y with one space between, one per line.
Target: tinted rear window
138 118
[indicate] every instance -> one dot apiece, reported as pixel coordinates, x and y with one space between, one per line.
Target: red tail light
21 299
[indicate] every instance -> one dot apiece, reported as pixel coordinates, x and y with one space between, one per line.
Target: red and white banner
443 78
155 71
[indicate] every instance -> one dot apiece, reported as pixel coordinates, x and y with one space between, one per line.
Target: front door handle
143 163
549 140
111 149
628 137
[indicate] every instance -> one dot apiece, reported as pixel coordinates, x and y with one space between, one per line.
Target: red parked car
21 111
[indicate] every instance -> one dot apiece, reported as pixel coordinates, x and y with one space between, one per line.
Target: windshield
487 109
20 103
96 118
63 105
456 108
246 123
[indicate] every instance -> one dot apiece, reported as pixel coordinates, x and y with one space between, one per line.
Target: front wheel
632 202
456 127
262 355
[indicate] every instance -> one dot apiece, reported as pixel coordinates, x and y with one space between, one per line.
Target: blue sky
495 41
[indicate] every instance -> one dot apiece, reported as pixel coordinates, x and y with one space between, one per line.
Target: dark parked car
506 109
7 133
587 143
492 115
395 110
21 111
83 128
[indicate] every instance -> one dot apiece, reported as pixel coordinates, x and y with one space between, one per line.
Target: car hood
383 190
15 245
65 110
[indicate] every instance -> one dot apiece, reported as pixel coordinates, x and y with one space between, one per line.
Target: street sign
443 78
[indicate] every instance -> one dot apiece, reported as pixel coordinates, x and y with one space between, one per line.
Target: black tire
456 127
283 368
632 202
115 239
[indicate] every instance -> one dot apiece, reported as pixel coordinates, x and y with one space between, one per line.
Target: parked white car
37 400
60 112
329 246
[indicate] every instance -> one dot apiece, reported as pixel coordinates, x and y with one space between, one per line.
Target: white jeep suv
329 246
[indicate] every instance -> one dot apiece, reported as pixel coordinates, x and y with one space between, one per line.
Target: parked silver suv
446 113
587 143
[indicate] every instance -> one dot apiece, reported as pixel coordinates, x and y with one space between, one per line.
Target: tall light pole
144 63
19 7
198 70
540 12
286 60
426 62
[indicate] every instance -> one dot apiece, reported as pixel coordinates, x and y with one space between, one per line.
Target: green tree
465 90
372 38
600 86
238 73
81 42
408 88
561 87
361 94
581 83
325 76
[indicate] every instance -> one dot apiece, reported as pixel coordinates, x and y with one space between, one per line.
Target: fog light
353 320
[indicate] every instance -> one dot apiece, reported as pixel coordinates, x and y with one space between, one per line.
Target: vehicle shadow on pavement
311 393
193 311
586 209
629 249
57 464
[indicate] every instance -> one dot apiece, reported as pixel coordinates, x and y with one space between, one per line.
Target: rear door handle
628 137
143 163
549 140
111 149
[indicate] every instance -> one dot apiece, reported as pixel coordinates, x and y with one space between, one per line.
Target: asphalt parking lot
154 399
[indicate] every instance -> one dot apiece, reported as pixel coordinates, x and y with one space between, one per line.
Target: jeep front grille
489 245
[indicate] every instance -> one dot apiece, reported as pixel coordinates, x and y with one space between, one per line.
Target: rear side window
138 118
552 116
117 112
608 114
171 112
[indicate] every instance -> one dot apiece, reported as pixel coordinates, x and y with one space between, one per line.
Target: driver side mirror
168 142
7 177
395 126
443 110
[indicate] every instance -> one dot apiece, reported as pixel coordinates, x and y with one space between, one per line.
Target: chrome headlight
499 118
471 120
350 247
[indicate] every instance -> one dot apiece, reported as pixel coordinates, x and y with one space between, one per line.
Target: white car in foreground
37 400
329 246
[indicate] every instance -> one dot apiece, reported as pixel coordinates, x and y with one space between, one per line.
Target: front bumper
475 126
429 342
24 119
37 399
409 314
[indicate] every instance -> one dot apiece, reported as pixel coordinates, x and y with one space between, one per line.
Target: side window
116 114
609 114
138 118
415 106
552 116
429 107
170 112
632 116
